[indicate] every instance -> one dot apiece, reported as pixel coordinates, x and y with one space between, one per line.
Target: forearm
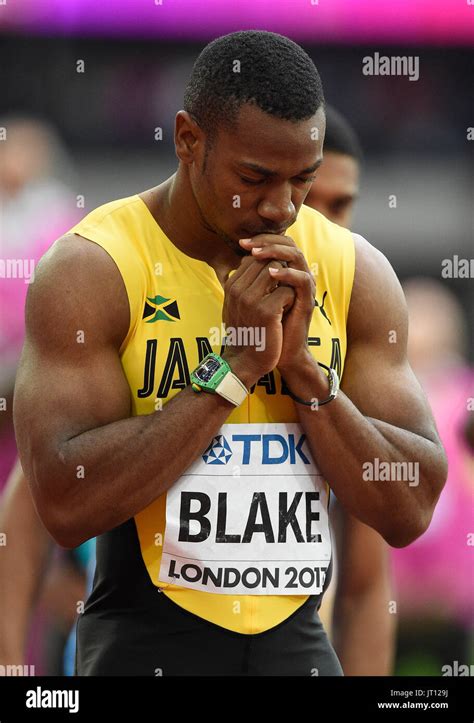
105 476
64 586
345 443
363 631
23 561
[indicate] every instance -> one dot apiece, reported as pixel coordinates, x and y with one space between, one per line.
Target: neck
174 208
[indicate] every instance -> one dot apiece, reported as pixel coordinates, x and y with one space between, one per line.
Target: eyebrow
267 172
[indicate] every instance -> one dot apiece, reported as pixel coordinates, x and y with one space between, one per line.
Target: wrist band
333 388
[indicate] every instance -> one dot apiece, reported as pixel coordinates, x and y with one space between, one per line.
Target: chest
182 322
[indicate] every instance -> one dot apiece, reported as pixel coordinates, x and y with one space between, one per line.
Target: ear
188 138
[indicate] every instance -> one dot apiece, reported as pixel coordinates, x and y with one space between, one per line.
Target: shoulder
77 282
74 258
118 211
377 303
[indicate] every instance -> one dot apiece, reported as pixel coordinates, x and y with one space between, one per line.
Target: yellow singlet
174 301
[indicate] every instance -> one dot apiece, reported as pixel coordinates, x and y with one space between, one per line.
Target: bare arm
381 414
23 562
363 628
72 401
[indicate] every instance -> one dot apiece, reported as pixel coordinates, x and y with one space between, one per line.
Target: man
33 162
363 629
434 576
173 477
336 188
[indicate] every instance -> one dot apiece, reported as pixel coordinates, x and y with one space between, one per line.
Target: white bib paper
249 517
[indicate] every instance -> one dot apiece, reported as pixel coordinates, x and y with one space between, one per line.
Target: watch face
207 370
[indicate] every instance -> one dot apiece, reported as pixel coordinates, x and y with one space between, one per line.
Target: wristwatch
333 379
215 375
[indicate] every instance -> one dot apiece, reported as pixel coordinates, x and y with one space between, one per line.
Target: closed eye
253 182
341 204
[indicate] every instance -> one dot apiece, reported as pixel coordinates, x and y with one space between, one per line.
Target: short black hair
340 136
274 73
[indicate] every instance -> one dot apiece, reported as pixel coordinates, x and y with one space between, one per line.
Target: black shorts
129 628
184 644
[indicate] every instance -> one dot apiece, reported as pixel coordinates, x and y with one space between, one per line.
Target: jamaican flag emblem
159 308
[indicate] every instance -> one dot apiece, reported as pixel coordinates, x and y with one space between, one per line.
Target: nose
277 207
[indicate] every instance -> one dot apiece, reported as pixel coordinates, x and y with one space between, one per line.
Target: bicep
70 378
387 391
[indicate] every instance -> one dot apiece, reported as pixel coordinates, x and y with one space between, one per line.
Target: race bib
249 517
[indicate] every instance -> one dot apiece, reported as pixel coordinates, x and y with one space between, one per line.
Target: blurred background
85 85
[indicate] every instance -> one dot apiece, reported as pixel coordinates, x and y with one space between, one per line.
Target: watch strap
232 389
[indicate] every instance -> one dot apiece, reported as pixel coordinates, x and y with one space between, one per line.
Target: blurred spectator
434 576
36 208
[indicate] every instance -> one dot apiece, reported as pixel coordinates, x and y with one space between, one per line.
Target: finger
263 239
244 277
258 241
292 255
263 283
241 278
241 285
279 301
301 281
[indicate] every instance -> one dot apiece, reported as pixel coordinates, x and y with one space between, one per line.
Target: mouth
251 234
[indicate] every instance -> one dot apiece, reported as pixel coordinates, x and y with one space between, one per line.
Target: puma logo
321 307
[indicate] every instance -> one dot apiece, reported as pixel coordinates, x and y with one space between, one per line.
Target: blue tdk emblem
218 451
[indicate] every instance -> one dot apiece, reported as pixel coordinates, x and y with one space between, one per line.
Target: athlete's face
256 178
334 191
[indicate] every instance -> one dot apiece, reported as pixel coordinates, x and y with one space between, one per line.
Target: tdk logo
269 448
218 451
